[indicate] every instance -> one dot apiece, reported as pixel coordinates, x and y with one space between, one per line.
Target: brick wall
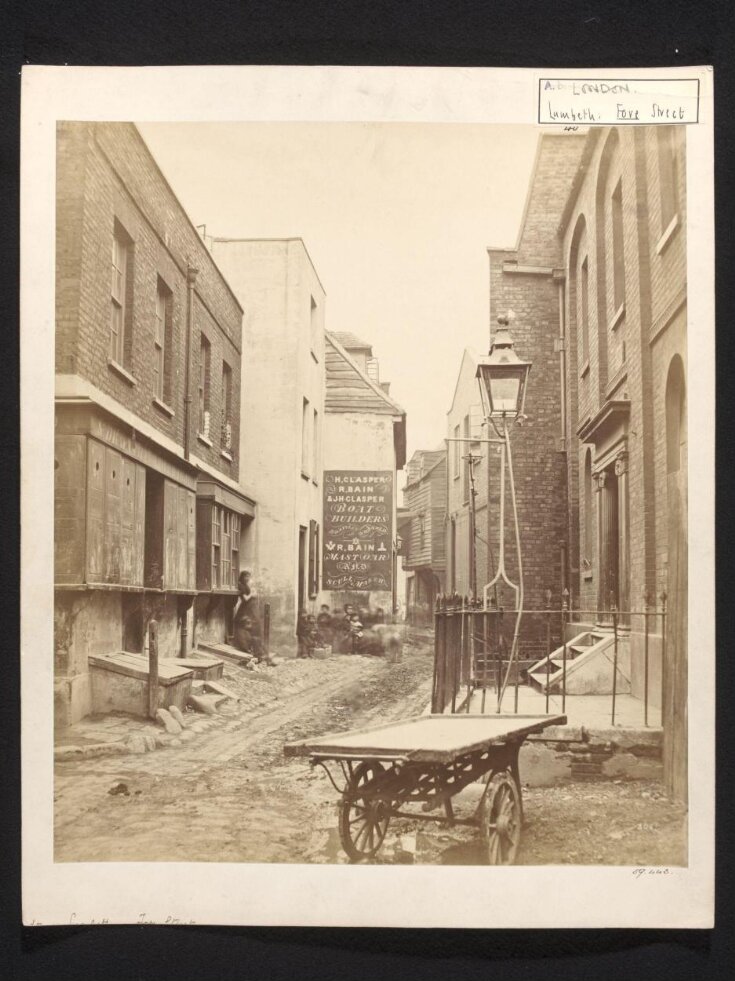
541 468
106 174
655 294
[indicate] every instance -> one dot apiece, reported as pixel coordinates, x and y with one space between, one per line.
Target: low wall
567 753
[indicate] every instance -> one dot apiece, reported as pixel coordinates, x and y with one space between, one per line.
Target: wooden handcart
427 760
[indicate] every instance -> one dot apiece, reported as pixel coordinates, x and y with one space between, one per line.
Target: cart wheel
501 819
363 821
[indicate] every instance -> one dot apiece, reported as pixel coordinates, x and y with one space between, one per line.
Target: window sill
667 235
618 317
205 439
162 407
226 455
585 369
617 379
121 372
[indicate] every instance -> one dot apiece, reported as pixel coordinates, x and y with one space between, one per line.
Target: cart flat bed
427 760
424 739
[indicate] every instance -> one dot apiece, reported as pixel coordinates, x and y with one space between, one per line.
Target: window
422 529
203 390
668 169
676 418
617 246
455 453
588 543
466 460
162 343
225 539
314 329
216 545
120 301
305 423
226 407
315 449
584 309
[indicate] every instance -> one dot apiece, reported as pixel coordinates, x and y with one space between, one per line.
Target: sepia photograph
370 491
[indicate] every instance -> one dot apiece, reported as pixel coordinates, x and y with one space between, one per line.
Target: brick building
624 243
598 285
148 504
423 532
282 420
529 280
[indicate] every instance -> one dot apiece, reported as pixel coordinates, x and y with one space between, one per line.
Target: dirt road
229 795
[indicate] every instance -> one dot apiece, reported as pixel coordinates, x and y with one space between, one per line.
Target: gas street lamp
502 377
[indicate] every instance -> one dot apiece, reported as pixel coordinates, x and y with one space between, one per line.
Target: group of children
343 631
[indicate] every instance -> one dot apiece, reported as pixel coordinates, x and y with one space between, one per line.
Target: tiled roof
350 341
348 388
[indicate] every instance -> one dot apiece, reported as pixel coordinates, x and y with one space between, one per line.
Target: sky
397 218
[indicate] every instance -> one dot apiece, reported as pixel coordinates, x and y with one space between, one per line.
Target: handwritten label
640 872
572 102
358 529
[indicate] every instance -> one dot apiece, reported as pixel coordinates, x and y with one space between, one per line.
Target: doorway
609 538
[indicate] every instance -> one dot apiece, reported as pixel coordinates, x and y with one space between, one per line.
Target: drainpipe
561 344
191 278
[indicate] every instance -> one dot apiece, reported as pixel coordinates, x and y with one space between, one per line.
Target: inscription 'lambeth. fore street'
579 102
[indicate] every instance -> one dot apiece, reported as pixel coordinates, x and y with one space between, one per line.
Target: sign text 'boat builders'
358 529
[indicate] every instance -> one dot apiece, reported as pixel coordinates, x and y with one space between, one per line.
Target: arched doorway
675 656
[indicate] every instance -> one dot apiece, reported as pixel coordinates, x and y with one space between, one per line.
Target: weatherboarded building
423 532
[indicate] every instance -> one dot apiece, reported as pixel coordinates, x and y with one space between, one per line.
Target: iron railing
473 655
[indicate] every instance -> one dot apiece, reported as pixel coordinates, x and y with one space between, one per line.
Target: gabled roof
349 389
468 356
430 459
351 342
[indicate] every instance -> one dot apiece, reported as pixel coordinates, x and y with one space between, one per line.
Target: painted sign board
358 530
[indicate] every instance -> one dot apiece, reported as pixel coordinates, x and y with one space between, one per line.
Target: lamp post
502 377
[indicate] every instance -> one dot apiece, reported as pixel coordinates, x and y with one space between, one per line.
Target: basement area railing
476 668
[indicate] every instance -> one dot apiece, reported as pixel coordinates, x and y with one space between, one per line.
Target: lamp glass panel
482 382
504 392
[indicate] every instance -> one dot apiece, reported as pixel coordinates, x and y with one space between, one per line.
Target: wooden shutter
69 508
203 544
127 519
170 504
312 558
191 536
182 538
139 526
113 515
95 512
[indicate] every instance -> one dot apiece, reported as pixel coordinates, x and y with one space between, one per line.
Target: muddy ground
229 795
